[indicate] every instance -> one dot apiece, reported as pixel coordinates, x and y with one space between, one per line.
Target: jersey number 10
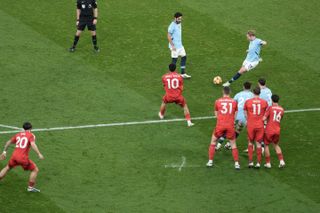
173 83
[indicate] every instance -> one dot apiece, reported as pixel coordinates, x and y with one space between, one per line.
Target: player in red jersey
226 111
273 117
20 157
255 109
173 85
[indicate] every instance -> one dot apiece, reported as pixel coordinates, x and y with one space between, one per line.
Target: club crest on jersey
89 6
83 6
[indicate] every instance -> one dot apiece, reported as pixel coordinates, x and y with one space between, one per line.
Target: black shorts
86 23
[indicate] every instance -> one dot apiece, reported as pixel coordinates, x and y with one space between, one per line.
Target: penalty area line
10 127
16 129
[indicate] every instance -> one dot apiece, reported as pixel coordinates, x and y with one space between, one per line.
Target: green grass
121 169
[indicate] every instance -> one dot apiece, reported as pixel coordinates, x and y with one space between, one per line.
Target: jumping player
253 56
20 157
255 109
225 111
173 85
175 43
273 117
241 121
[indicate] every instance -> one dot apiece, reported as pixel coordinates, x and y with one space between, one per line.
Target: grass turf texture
121 169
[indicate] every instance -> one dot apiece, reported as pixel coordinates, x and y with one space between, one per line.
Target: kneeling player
20 157
255 109
173 85
273 117
225 111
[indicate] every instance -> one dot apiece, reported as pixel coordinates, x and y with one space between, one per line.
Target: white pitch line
135 123
183 163
9 127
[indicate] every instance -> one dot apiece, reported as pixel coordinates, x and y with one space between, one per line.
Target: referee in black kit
87 15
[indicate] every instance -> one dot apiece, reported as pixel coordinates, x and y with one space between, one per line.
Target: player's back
23 142
256 108
226 108
173 84
254 50
265 94
242 97
274 116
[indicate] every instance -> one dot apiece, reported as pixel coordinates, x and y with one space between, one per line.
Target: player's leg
77 37
251 134
280 156
162 110
220 142
242 70
4 172
174 56
259 153
92 29
33 176
267 156
212 149
183 54
187 115
231 135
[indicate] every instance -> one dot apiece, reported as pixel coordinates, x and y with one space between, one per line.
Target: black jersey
86 7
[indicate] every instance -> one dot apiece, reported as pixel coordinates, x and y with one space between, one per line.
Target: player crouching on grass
173 85
20 157
273 117
225 111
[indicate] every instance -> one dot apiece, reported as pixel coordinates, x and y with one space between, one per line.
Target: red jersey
173 84
256 108
23 142
226 108
274 115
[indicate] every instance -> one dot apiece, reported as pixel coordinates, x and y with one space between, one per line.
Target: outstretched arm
263 43
35 148
4 153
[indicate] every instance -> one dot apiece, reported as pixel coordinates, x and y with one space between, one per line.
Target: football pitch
124 159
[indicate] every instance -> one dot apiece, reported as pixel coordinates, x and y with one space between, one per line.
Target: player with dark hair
173 85
273 117
175 43
241 120
253 56
265 91
20 157
225 112
87 15
255 109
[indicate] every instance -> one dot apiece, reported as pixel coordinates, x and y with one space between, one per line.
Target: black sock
174 60
183 64
75 41
235 77
94 40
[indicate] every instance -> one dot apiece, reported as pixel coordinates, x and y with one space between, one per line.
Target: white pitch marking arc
9 127
133 123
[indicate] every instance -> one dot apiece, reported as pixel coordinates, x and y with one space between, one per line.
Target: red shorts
255 134
178 100
228 132
271 138
26 163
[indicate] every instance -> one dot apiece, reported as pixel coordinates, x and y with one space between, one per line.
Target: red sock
188 117
250 152
280 156
212 149
235 154
259 153
267 159
31 184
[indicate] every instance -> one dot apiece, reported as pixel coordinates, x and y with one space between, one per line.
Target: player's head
262 82
275 98
251 35
256 91
226 91
247 85
178 17
27 126
172 67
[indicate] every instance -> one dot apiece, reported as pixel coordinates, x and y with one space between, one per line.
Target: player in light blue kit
253 56
175 43
265 92
241 120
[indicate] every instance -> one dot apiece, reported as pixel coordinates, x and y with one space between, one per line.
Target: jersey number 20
22 142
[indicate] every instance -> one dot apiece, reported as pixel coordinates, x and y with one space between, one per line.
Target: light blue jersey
175 31
241 98
254 50
266 94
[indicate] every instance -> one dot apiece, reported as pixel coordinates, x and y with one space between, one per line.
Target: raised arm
263 43
4 153
35 148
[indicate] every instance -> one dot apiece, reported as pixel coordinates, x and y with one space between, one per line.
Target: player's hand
95 21
77 23
40 156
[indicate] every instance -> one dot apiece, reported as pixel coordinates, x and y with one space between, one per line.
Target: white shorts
249 65
179 52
